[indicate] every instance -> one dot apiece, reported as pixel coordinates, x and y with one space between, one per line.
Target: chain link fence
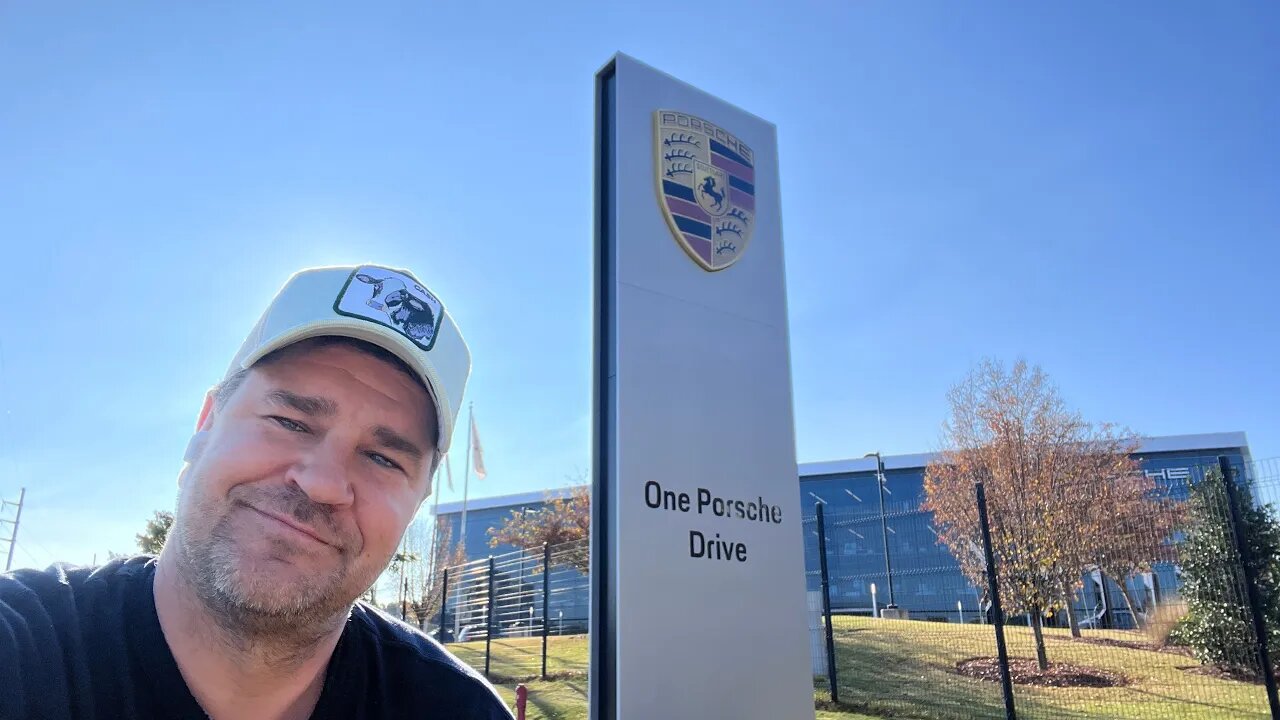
1158 600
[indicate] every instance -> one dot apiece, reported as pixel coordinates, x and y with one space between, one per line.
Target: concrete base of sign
895 614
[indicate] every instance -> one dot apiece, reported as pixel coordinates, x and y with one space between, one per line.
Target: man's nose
322 475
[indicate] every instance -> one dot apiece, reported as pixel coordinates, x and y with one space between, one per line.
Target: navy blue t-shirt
86 644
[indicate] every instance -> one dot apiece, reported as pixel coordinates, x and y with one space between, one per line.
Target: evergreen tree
152 539
1218 626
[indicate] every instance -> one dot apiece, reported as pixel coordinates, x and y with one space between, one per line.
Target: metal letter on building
698 592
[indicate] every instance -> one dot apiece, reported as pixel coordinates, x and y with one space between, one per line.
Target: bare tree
400 563
432 543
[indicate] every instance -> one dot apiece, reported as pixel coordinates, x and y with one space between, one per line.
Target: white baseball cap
386 307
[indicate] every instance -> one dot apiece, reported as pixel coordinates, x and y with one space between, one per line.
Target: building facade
926 578
923 577
518 575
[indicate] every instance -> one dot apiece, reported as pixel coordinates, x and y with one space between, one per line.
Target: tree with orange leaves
559 521
1046 472
1132 521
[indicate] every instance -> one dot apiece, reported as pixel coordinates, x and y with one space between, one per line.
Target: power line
32 538
33 557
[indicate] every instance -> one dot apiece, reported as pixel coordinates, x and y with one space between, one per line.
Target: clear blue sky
1093 186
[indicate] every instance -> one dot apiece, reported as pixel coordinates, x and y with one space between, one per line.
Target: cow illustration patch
394 299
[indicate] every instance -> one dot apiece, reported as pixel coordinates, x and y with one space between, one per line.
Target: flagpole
436 486
462 534
435 525
466 473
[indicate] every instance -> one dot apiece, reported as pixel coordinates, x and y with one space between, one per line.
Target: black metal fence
1160 603
501 611
1159 600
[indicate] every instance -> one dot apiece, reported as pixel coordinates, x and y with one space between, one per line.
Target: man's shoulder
62 581
414 656
58 628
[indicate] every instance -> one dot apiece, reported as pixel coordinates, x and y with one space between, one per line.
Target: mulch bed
1133 645
1025 671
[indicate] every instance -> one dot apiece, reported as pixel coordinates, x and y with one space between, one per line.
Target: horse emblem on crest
706 187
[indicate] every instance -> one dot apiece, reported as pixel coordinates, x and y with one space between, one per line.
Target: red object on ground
522 697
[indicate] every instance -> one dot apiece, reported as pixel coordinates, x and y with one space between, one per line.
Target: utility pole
404 559
13 536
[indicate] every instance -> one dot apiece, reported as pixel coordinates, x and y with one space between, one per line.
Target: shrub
1218 626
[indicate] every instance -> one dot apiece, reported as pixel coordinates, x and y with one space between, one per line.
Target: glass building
568 605
926 579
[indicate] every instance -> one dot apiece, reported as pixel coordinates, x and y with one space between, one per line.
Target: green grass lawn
907 669
518 660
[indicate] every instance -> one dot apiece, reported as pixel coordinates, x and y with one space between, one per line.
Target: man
308 462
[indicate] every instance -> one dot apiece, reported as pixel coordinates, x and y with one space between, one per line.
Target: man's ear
195 446
205 419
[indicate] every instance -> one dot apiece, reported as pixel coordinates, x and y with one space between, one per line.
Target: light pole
884 528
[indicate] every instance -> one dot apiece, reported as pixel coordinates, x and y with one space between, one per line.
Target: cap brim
392 342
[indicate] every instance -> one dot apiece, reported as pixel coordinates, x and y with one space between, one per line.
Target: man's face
310 474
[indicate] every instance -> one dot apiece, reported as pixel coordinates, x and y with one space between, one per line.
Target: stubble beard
248 601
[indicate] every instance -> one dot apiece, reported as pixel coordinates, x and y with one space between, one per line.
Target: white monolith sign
698 605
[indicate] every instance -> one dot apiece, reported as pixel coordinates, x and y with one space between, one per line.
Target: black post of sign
602 681
826 605
546 602
444 604
488 620
1251 585
997 613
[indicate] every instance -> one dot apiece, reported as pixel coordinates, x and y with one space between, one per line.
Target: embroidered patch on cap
393 299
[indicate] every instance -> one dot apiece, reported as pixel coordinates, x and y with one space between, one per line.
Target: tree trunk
1072 620
1128 600
1042 659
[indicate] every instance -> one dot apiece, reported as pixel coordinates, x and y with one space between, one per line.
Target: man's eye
290 425
384 461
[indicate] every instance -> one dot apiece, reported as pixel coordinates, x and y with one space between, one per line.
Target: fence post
1251 585
826 606
488 620
997 613
444 605
546 602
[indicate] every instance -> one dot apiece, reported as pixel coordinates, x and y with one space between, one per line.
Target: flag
448 472
477 453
